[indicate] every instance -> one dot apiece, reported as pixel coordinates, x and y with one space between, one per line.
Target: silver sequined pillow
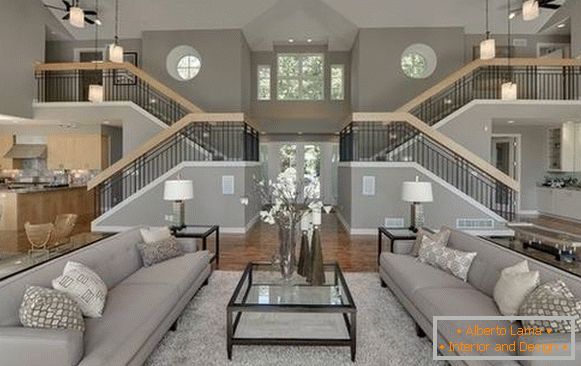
152 253
552 299
47 308
455 262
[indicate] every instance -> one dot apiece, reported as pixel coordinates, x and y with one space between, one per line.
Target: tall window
337 82
301 77
263 74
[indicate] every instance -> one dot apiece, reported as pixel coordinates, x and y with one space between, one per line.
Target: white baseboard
363 232
252 222
529 212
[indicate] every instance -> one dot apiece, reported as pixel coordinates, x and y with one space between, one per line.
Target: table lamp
178 191
417 193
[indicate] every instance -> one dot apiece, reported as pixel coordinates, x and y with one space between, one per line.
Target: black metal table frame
204 236
349 315
393 238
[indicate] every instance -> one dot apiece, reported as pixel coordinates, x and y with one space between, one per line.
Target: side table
393 235
202 232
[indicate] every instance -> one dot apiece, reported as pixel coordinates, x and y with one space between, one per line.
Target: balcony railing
237 141
537 79
402 138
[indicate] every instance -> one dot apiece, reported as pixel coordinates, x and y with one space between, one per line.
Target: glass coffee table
265 310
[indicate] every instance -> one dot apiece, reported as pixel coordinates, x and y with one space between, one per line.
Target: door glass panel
288 160
312 175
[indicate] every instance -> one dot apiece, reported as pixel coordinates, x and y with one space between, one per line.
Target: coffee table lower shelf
262 328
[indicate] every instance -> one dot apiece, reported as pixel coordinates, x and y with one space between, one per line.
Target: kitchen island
561 202
38 204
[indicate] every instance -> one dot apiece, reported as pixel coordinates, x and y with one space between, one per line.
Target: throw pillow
84 286
47 308
552 299
439 237
455 262
155 234
513 287
152 253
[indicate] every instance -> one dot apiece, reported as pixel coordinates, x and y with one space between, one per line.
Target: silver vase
287 250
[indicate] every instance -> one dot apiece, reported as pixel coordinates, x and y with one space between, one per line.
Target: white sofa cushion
513 287
155 234
84 286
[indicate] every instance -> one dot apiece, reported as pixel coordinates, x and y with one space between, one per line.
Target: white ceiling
266 22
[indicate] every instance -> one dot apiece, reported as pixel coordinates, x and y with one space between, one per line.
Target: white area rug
385 332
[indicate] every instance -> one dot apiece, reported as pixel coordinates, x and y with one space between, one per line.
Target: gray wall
209 205
369 212
64 51
115 135
576 29
380 84
218 87
296 116
530 50
23 25
534 160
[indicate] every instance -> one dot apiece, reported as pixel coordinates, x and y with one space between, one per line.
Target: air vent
394 222
471 224
520 42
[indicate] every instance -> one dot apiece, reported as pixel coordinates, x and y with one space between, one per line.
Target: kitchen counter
39 205
38 188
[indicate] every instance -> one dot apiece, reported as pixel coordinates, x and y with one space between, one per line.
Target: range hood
26 151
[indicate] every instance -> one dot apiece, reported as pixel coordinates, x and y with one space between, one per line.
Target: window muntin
263 82
188 67
301 77
337 82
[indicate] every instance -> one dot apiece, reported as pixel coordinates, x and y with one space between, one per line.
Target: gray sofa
142 305
426 292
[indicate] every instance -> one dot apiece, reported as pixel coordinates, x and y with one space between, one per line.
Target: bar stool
38 236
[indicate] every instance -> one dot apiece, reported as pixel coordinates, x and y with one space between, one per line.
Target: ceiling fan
67 10
543 4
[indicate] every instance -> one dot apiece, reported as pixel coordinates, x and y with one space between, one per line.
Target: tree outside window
301 77
337 82
263 82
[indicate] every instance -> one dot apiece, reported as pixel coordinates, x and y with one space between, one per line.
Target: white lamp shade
530 10
115 53
488 49
178 190
509 91
77 17
95 93
417 192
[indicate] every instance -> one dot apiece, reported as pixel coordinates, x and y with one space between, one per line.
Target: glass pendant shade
509 91
115 53
77 17
96 93
488 49
530 10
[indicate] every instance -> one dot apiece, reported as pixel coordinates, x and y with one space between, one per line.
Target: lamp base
178 221
417 217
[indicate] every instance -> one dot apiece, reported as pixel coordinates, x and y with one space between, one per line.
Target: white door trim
518 178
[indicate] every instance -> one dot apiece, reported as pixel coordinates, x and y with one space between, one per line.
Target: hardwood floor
354 253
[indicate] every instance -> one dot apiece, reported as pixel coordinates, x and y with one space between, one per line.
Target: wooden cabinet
6 142
564 148
75 151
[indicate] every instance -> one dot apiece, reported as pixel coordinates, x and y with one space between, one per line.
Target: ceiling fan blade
67 5
66 17
550 6
55 7
90 12
89 21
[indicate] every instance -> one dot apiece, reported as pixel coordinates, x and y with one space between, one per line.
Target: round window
418 61
183 63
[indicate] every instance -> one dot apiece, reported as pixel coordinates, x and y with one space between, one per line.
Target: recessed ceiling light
512 15
291 40
309 40
562 25
510 122
300 133
106 122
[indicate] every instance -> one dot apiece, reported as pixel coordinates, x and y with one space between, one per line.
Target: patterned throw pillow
84 286
152 253
449 260
47 308
439 237
552 299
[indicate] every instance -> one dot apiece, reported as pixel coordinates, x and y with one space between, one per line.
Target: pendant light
77 15
530 10
115 50
96 92
509 88
487 46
